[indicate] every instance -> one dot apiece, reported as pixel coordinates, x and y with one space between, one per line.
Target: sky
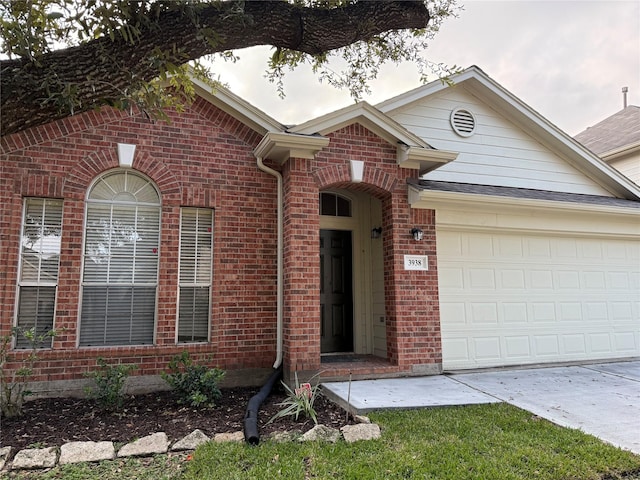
568 60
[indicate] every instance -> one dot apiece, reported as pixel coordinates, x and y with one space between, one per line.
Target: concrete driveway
602 400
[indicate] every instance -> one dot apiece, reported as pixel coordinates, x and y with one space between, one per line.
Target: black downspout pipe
251 434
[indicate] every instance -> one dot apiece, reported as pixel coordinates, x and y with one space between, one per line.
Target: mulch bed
55 421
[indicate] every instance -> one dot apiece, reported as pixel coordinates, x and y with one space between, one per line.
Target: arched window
121 249
334 205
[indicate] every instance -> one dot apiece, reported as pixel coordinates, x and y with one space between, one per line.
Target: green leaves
196 385
120 46
299 400
13 382
110 382
355 66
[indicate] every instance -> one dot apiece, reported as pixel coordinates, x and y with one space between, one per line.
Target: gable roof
412 151
309 137
620 131
512 108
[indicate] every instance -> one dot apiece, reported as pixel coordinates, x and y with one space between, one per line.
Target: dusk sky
568 60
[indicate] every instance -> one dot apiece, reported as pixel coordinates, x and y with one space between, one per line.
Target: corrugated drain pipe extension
251 434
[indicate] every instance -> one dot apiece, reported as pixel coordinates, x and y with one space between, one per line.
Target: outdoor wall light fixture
376 232
417 233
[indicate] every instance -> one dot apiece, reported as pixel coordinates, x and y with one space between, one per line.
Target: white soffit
281 146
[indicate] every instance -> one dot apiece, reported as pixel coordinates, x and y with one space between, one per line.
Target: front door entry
336 291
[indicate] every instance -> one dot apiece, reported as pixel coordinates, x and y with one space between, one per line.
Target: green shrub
110 382
299 401
13 384
196 385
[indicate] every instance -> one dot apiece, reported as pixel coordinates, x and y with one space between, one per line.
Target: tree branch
101 71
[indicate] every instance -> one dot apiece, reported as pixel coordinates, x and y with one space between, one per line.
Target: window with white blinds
196 256
39 266
120 275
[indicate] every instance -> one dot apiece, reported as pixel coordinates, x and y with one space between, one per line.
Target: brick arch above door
374 180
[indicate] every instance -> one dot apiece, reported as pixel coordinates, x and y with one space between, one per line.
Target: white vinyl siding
196 256
39 266
121 251
629 167
498 153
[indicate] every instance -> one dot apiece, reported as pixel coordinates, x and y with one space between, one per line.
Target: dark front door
336 292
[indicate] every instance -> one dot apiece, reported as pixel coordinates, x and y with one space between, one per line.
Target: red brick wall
202 158
412 304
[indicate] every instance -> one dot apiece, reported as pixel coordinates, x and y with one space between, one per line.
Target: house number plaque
416 262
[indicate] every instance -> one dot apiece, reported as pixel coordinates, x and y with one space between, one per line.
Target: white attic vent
463 122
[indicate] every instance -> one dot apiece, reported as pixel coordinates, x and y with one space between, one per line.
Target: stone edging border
158 443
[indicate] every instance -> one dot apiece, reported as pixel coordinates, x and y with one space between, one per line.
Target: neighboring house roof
619 131
516 111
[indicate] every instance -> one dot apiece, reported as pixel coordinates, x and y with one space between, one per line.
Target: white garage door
510 299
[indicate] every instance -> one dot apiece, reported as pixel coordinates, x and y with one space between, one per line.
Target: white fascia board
419 198
238 108
280 146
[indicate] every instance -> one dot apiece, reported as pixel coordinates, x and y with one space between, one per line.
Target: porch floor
356 367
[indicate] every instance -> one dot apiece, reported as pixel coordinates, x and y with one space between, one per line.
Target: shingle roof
524 193
620 129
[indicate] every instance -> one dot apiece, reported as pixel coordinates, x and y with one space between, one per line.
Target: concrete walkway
602 400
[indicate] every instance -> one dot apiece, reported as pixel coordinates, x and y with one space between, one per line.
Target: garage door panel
574 344
484 313
626 341
517 348
487 348
457 349
511 299
511 279
514 313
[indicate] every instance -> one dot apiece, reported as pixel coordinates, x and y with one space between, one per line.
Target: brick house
372 241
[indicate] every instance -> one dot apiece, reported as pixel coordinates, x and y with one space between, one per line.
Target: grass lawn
475 442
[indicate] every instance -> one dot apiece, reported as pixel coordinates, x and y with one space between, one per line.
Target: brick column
301 335
413 327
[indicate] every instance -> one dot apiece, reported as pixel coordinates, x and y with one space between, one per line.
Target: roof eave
280 146
424 160
621 151
421 198
238 108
